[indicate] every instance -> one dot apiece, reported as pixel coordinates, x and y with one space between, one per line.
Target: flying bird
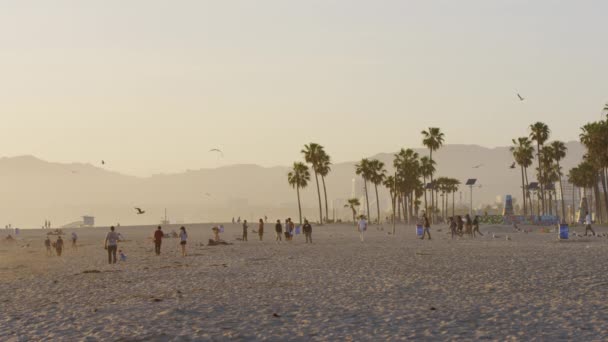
217 150
512 166
520 98
139 211
477 166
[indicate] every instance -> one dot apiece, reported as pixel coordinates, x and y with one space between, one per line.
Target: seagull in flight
139 211
512 166
477 166
520 98
217 150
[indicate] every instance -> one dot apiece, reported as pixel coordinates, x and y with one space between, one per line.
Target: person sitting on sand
427 227
183 237
216 238
59 245
261 229
476 226
47 244
158 239
588 224
123 256
278 228
111 245
307 231
245 227
362 227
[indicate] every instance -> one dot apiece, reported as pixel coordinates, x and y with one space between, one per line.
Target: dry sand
388 288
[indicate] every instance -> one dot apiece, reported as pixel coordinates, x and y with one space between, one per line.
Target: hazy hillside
34 190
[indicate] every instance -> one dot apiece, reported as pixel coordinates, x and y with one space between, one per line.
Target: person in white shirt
183 239
111 245
588 224
362 226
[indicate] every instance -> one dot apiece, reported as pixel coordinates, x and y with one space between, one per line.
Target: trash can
563 231
419 230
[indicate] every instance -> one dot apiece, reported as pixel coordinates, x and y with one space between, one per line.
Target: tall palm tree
433 139
407 168
364 170
427 168
298 178
539 132
522 154
595 138
559 153
391 185
313 153
377 176
324 169
353 203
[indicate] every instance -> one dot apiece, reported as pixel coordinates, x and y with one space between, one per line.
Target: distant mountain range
34 190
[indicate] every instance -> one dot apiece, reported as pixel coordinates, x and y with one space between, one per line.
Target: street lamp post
470 182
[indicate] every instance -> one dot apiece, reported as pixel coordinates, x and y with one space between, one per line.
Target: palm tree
539 132
407 169
559 152
595 138
298 178
584 176
433 139
377 176
364 169
391 186
313 153
427 168
324 169
522 154
353 203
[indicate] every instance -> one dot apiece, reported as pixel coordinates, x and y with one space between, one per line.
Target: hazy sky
151 86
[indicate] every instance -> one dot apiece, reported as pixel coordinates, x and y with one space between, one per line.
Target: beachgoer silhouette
588 224
278 228
111 245
59 245
158 239
183 237
261 229
427 227
307 231
476 226
47 244
362 227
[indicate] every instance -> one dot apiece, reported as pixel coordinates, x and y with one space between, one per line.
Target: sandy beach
531 287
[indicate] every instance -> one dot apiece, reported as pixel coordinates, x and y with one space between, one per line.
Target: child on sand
123 256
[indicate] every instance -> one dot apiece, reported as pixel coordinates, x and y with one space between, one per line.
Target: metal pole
394 200
471 198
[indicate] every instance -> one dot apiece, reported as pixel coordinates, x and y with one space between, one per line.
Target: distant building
88 221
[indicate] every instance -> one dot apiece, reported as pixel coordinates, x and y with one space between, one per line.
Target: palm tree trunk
597 197
299 204
426 206
528 192
540 176
325 192
405 208
366 199
432 196
453 194
377 202
319 195
603 177
398 205
561 191
523 190
354 215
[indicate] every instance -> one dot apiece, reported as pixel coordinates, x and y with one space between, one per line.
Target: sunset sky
151 86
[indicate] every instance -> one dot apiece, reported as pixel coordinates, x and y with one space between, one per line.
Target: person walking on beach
59 245
476 226
362 226
47 244
158 239
261 229
460 224
111 245
74 239
278 228
289 228
453 227
427 227
307 231
183 239
245 230
468 224
588 224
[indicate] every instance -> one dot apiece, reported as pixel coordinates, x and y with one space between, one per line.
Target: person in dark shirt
261 229
59 246
476 226
158 239
245 230
427 227
278 228
307 231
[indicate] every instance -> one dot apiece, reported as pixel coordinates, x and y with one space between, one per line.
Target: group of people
460 226
58 244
